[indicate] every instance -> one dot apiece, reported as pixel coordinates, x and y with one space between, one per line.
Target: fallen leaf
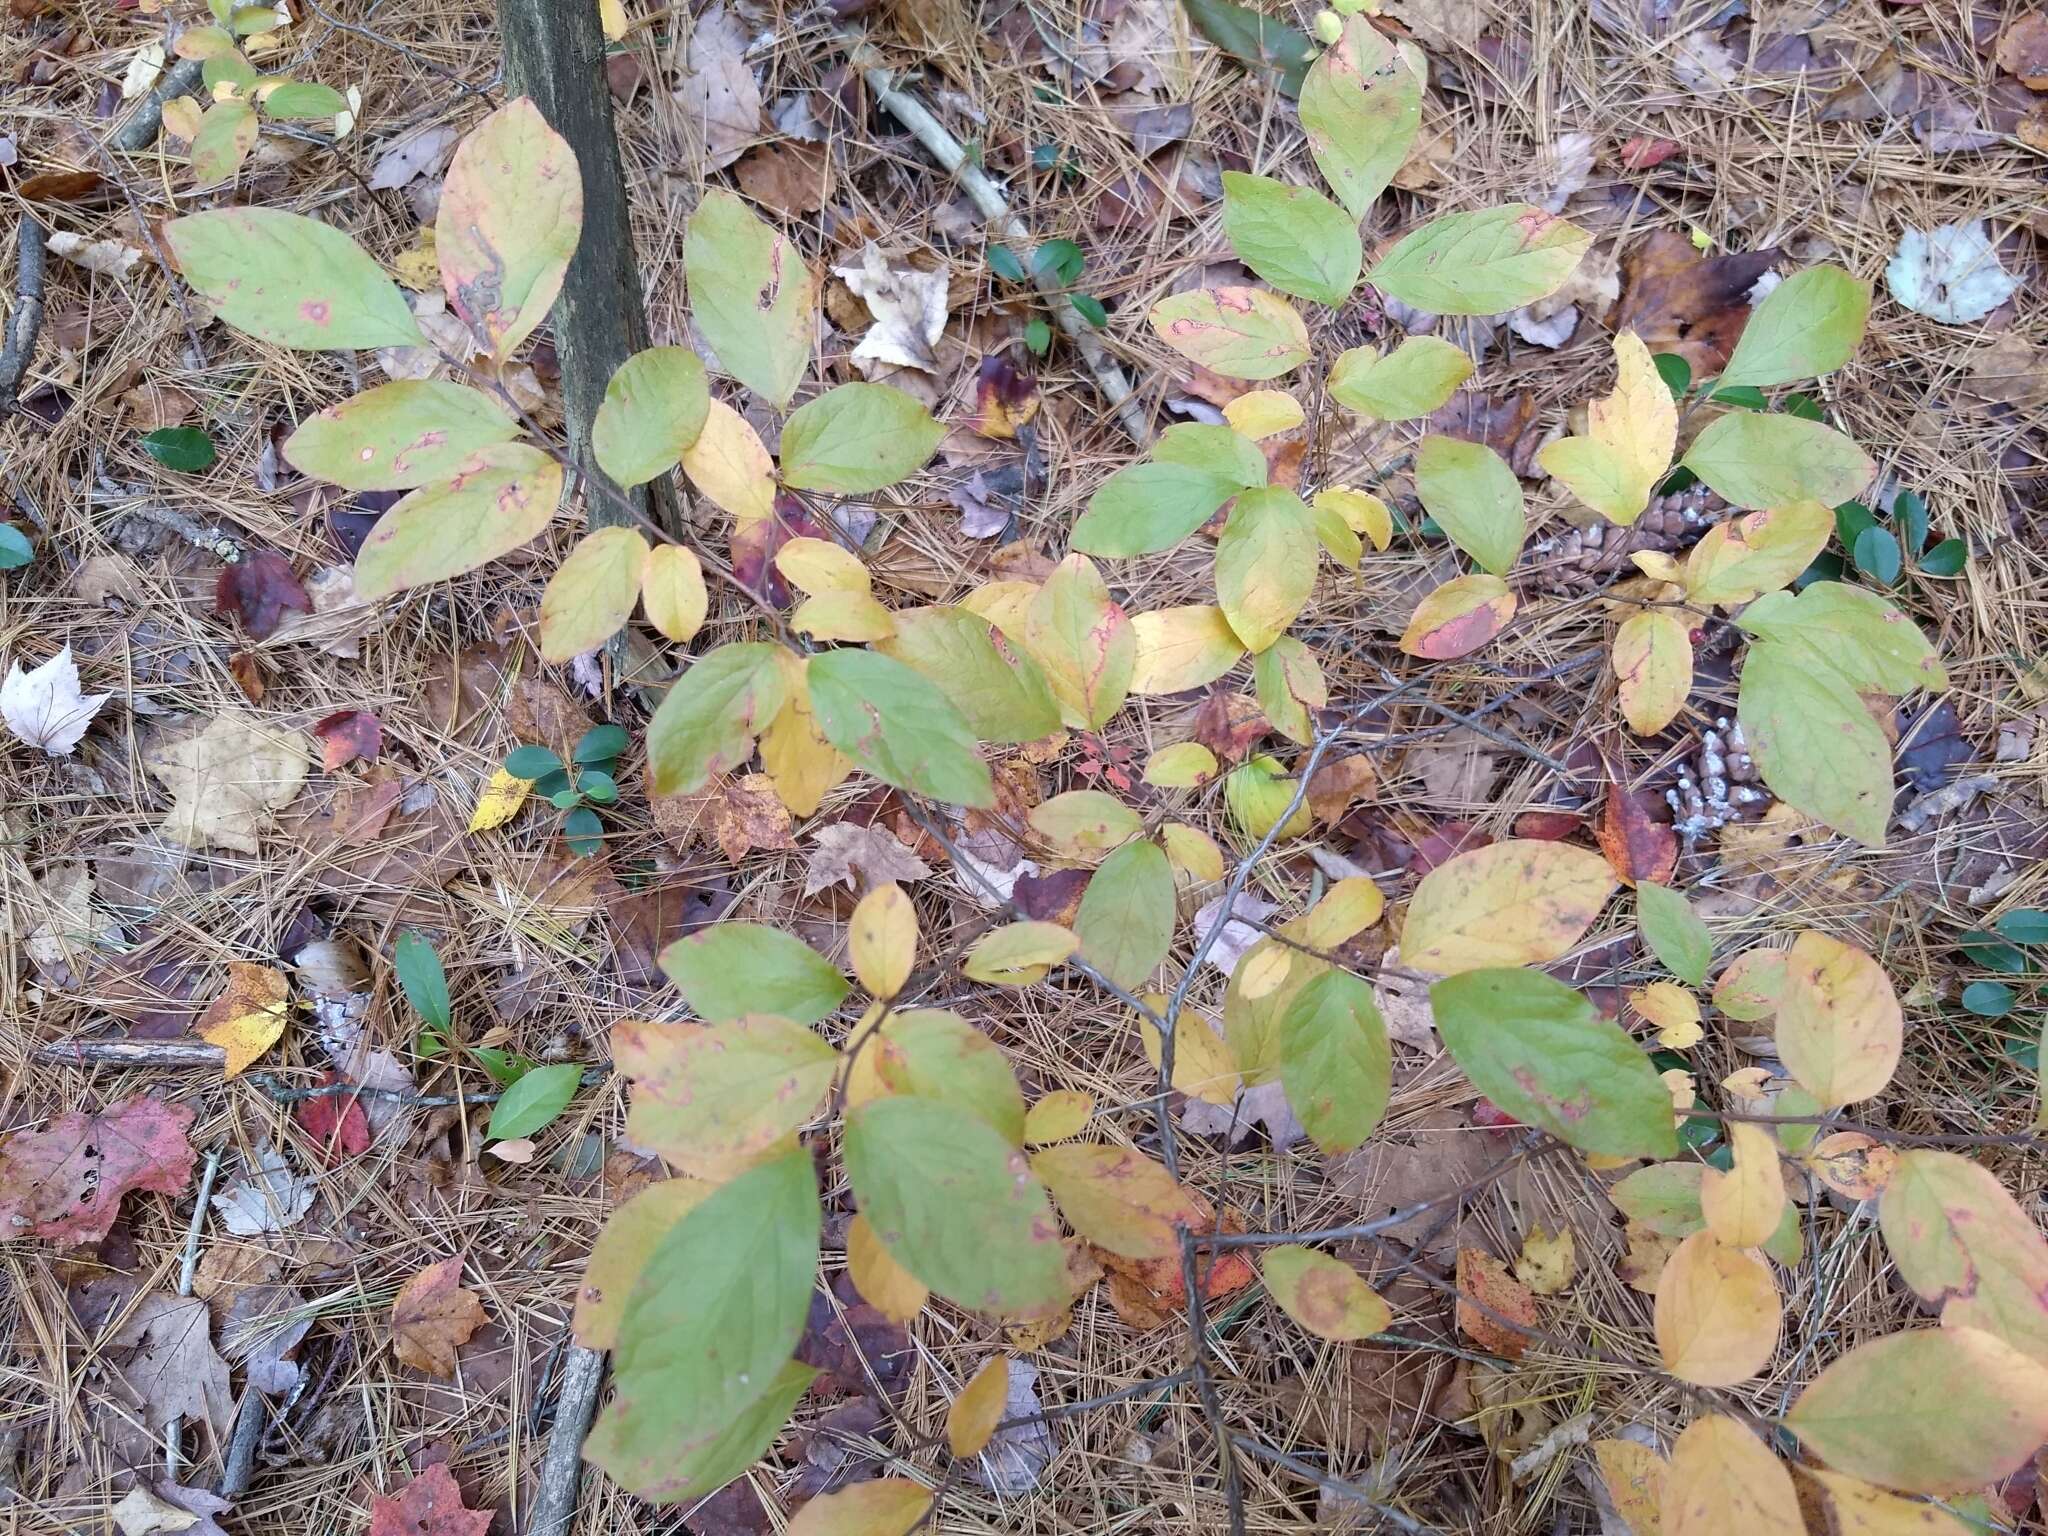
226 779
739 814
909 309
247 1019
1016 1458
141 1513
62 926
1547 1260
1484 1282
349 736
109 258
337 1121
861 858
430 1505
423 152
260 589
433 1316
790 177
339 619
65 1182
1682 303
269 1198
1950 273
1638 846
44 708
716 93
2022 50
499 800
174 1371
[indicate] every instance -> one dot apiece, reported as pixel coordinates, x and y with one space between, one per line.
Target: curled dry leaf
433 1316
45 708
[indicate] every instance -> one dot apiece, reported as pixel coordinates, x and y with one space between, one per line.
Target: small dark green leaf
502 1066
1090 309
1946 558
1062 259
601 744
1851 518
533 1101
563 799
1045 156
1004 263
598 785
1675 371
15 550
1743 396
1037 336
420 974
185 449
1877 555
1989 999
1255 39
531 762
1803 405
553 782
1825 567
1910 511
2028 925
583 832
1986 950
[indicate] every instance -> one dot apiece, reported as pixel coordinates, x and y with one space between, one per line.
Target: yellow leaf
1019 954
1723 1481
1264 971
729 464
1742 559
1263 413
1083 640
1863 1510
1744 1205
1717 1313
1184 765
1458 617
819 565
499 801
611 16
1861 1168
621 1252
1519 902
1363 513
1653 664
591 593
1323 1294
1547 1261
247 1019
883 1284
1840 1030
1057 1116
1118 1198
1181 648
672 592
1629 439
799 761
1195 858
1674 1011
1347 909
1005 604
418 266
881 940
1658 566
1203 1067
853 616
884 1506
1634 1475
972 1419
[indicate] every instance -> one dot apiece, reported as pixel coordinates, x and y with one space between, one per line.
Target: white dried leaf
1950 274
1237 937
109 258
716 91
142 1513
1265 1105
424 152
861 858
909 307
45 708
269 1199
1014 1460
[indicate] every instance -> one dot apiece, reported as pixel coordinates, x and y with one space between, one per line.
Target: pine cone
1580 559
1717 786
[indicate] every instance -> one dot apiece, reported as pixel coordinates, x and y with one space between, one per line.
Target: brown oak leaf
65 1182
433 1316
430 1505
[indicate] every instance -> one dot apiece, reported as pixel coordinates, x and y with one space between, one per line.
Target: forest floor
1703 146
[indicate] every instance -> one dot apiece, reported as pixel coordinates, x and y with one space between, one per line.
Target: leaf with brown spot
1634 1477
1855 1166
1638 846
1493 1306
1458 617
622 1251
64 1183
1519 902
433 1317
712 1098
1840 1030
1118 1198
1682 303
1323 1294
247 1019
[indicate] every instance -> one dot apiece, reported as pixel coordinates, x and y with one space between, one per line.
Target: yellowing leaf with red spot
712 1098
1840 1030
1931 1410
592 593
1859 1167
1717 1312
1962 1242
729 463
1628 442
883 1506
1083 641
1519 902
511 211
247 1019
1634 1475
399 435
502 497
1653 664
1744 1205
1323 1294
1744 558
883 1284
1458 617
1239 332
1118 1198
284 278
1723 1481
972 1419
621 1252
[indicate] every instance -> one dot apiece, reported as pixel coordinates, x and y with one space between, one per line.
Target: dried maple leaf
860 857
1637 844
433 1316
174 1371
260 589
65 1182
45 708
430 1505
1487 1293
739 814
226 779
337 1121
349 736
247 1019
1149 1293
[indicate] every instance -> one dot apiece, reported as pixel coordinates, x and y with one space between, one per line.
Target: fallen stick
561 1469
171 1054
988 197
26 323
140 131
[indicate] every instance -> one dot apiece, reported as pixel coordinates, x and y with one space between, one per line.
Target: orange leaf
1484 1282
433 1316
247 1019
971 1421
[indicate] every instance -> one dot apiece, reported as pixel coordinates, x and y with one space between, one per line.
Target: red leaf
352 735
1004 399
1640 153
260 589
1548 826
65 1182
1053 897
1445 844
429 1505
1487 1293
755 545
337 1121
1639 846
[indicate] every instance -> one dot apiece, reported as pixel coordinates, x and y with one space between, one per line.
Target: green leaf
710 1326
1674 932
582 832
1543 1053
601 744
1335 1063
1296 239
1946 558
1241 333
420 974
857 438
398 435
1084 641
534 1101
1060 259
1004 263
15 549
730 969
501 497
1850 631
1910 508
1289 685
933 1053
597 785
1144 508
185 449
1989 999
1265 564
1220 451
2025 925
1665 1198
707 723
956 1204
228 68
1125 919
288 279
1763 461
1261 42
303 102
711 1098
1089 308
226 135
898 725
1814 742
751 295
1807 325
1475 498
531 762
653 409
1675 371
1002 692
1361 107
1482 263
511 212
1417 377
1038 335
1876 553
